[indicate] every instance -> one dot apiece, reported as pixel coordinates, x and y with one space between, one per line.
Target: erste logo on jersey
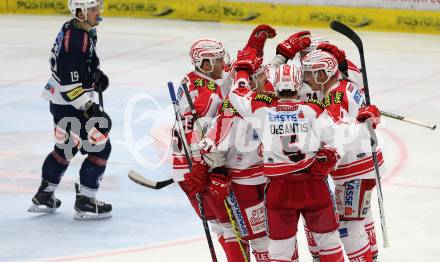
287 122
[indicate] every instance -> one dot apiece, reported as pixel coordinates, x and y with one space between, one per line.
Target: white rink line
193 249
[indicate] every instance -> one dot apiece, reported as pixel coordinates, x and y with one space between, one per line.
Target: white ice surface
140 56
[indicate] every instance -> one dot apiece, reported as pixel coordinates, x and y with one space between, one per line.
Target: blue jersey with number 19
73 62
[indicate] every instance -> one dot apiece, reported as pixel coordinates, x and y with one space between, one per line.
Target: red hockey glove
325 161
248 60
258 37
219 185
369 112
295 43
332 49
197 179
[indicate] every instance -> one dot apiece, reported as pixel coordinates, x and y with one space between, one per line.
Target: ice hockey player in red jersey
350 72
354 176
232 140
290 156
238 143
208 57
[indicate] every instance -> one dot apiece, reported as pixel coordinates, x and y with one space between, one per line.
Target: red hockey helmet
206 48
320 60
288 78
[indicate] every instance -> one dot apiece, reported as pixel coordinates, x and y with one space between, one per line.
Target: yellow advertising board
145 8
45 7
373 19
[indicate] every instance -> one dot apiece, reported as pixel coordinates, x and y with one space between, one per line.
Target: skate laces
99 203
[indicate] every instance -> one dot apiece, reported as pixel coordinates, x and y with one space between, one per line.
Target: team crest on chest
200 82
333 98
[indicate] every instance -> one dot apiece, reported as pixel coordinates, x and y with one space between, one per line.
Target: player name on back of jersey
287 122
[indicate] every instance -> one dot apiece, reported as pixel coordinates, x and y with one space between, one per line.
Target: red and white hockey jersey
285 128
207 96
342 103
238 142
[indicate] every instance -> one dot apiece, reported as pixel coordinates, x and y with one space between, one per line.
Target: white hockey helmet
288 78
320 60
83 5
315 41
206 48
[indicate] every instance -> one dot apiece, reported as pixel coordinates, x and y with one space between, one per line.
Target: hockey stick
235 228
143 181
346 31
200 130
101 100
408 120
186 147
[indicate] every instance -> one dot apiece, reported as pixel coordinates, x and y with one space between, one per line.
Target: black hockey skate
89 208
44 202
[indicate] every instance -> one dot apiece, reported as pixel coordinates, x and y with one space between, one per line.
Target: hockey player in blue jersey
81 125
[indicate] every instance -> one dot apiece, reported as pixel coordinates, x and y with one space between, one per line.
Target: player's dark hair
78 10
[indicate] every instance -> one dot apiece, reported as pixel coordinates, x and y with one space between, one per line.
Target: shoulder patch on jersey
209 84
73 94
264 97
355 93
357 97
228 109
316 102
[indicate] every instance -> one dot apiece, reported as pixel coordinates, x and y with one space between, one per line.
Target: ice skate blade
80 215
41 209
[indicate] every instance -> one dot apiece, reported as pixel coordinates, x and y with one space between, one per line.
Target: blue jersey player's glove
100 81
103 121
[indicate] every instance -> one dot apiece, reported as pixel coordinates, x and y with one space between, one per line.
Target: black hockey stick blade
348 32
143 181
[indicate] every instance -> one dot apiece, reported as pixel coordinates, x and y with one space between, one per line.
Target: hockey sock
53 169
232 249
91 172
313 248
363 254
259 247
369 228
329 244
282 249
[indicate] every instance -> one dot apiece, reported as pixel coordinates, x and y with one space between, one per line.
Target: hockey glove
295 43
100 81
247 60
369 112
197 179
325 161
332 49
338 54
102 121
219 185
258 38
